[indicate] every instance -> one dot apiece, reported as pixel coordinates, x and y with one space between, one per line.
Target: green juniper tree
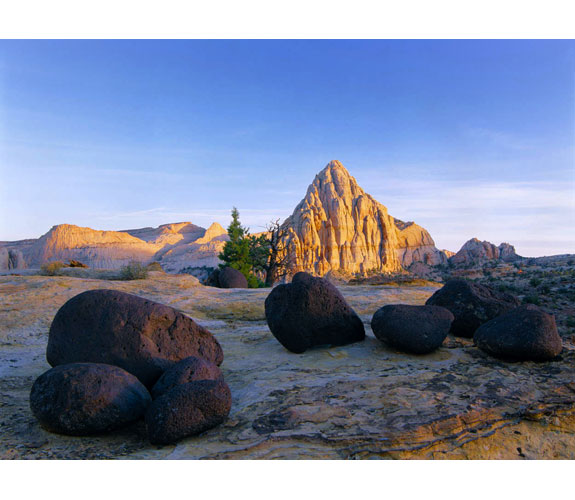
264 255
237 252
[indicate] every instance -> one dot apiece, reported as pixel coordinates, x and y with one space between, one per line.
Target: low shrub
532 299
154 266
52 268
134 271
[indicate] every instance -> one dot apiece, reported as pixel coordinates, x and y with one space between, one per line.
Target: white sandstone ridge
175 246
475 252
339 227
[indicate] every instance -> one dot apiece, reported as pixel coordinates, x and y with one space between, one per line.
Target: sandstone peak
214 231
339 227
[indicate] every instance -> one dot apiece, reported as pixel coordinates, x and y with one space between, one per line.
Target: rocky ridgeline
311 312
109 349
475 253
175 246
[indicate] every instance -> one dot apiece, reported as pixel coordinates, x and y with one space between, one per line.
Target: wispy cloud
535 217
499 138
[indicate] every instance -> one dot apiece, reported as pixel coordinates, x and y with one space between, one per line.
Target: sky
466 138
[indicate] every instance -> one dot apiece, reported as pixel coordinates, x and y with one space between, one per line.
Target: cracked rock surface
363 400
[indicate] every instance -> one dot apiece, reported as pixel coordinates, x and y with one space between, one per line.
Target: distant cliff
175 246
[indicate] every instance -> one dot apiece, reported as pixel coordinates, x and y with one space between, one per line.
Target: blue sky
467 138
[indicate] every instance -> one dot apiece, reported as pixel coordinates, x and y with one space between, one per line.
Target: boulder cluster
117 357
310 312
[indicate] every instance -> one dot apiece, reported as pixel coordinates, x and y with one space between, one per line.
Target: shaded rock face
525 333
188 410
475 252
143 337
11 259
416 329
311 312
339 227
229 277
185 371
85 398
472 304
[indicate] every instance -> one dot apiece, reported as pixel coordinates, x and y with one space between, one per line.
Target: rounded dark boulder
415 329
213 278
229 277
185 371
187 410
141 336
310 312
472 304
85 398
525 333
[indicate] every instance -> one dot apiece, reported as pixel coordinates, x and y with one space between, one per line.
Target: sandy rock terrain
363 400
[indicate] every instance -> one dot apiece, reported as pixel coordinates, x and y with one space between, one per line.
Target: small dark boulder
231 278
86 398
185 371
187 410
525 333
310 312
416 329
472 304
213 279
141 336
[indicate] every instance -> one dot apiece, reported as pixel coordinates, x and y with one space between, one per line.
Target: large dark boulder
310 312
141 336
86 398
231 278
416 329
525 333
472 304
185 371
187 410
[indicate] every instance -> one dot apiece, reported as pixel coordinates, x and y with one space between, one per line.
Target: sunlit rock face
175 246
417 245
475 252
339 227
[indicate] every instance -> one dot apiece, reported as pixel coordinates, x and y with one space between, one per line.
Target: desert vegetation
262 259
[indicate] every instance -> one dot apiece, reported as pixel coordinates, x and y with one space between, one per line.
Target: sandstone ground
358 401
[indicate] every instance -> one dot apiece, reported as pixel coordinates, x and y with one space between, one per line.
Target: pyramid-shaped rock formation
339 227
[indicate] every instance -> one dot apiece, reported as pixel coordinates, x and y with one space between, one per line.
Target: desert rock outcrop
175 246
475 252
339 227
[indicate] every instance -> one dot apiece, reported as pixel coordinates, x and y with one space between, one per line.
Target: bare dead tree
279 262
